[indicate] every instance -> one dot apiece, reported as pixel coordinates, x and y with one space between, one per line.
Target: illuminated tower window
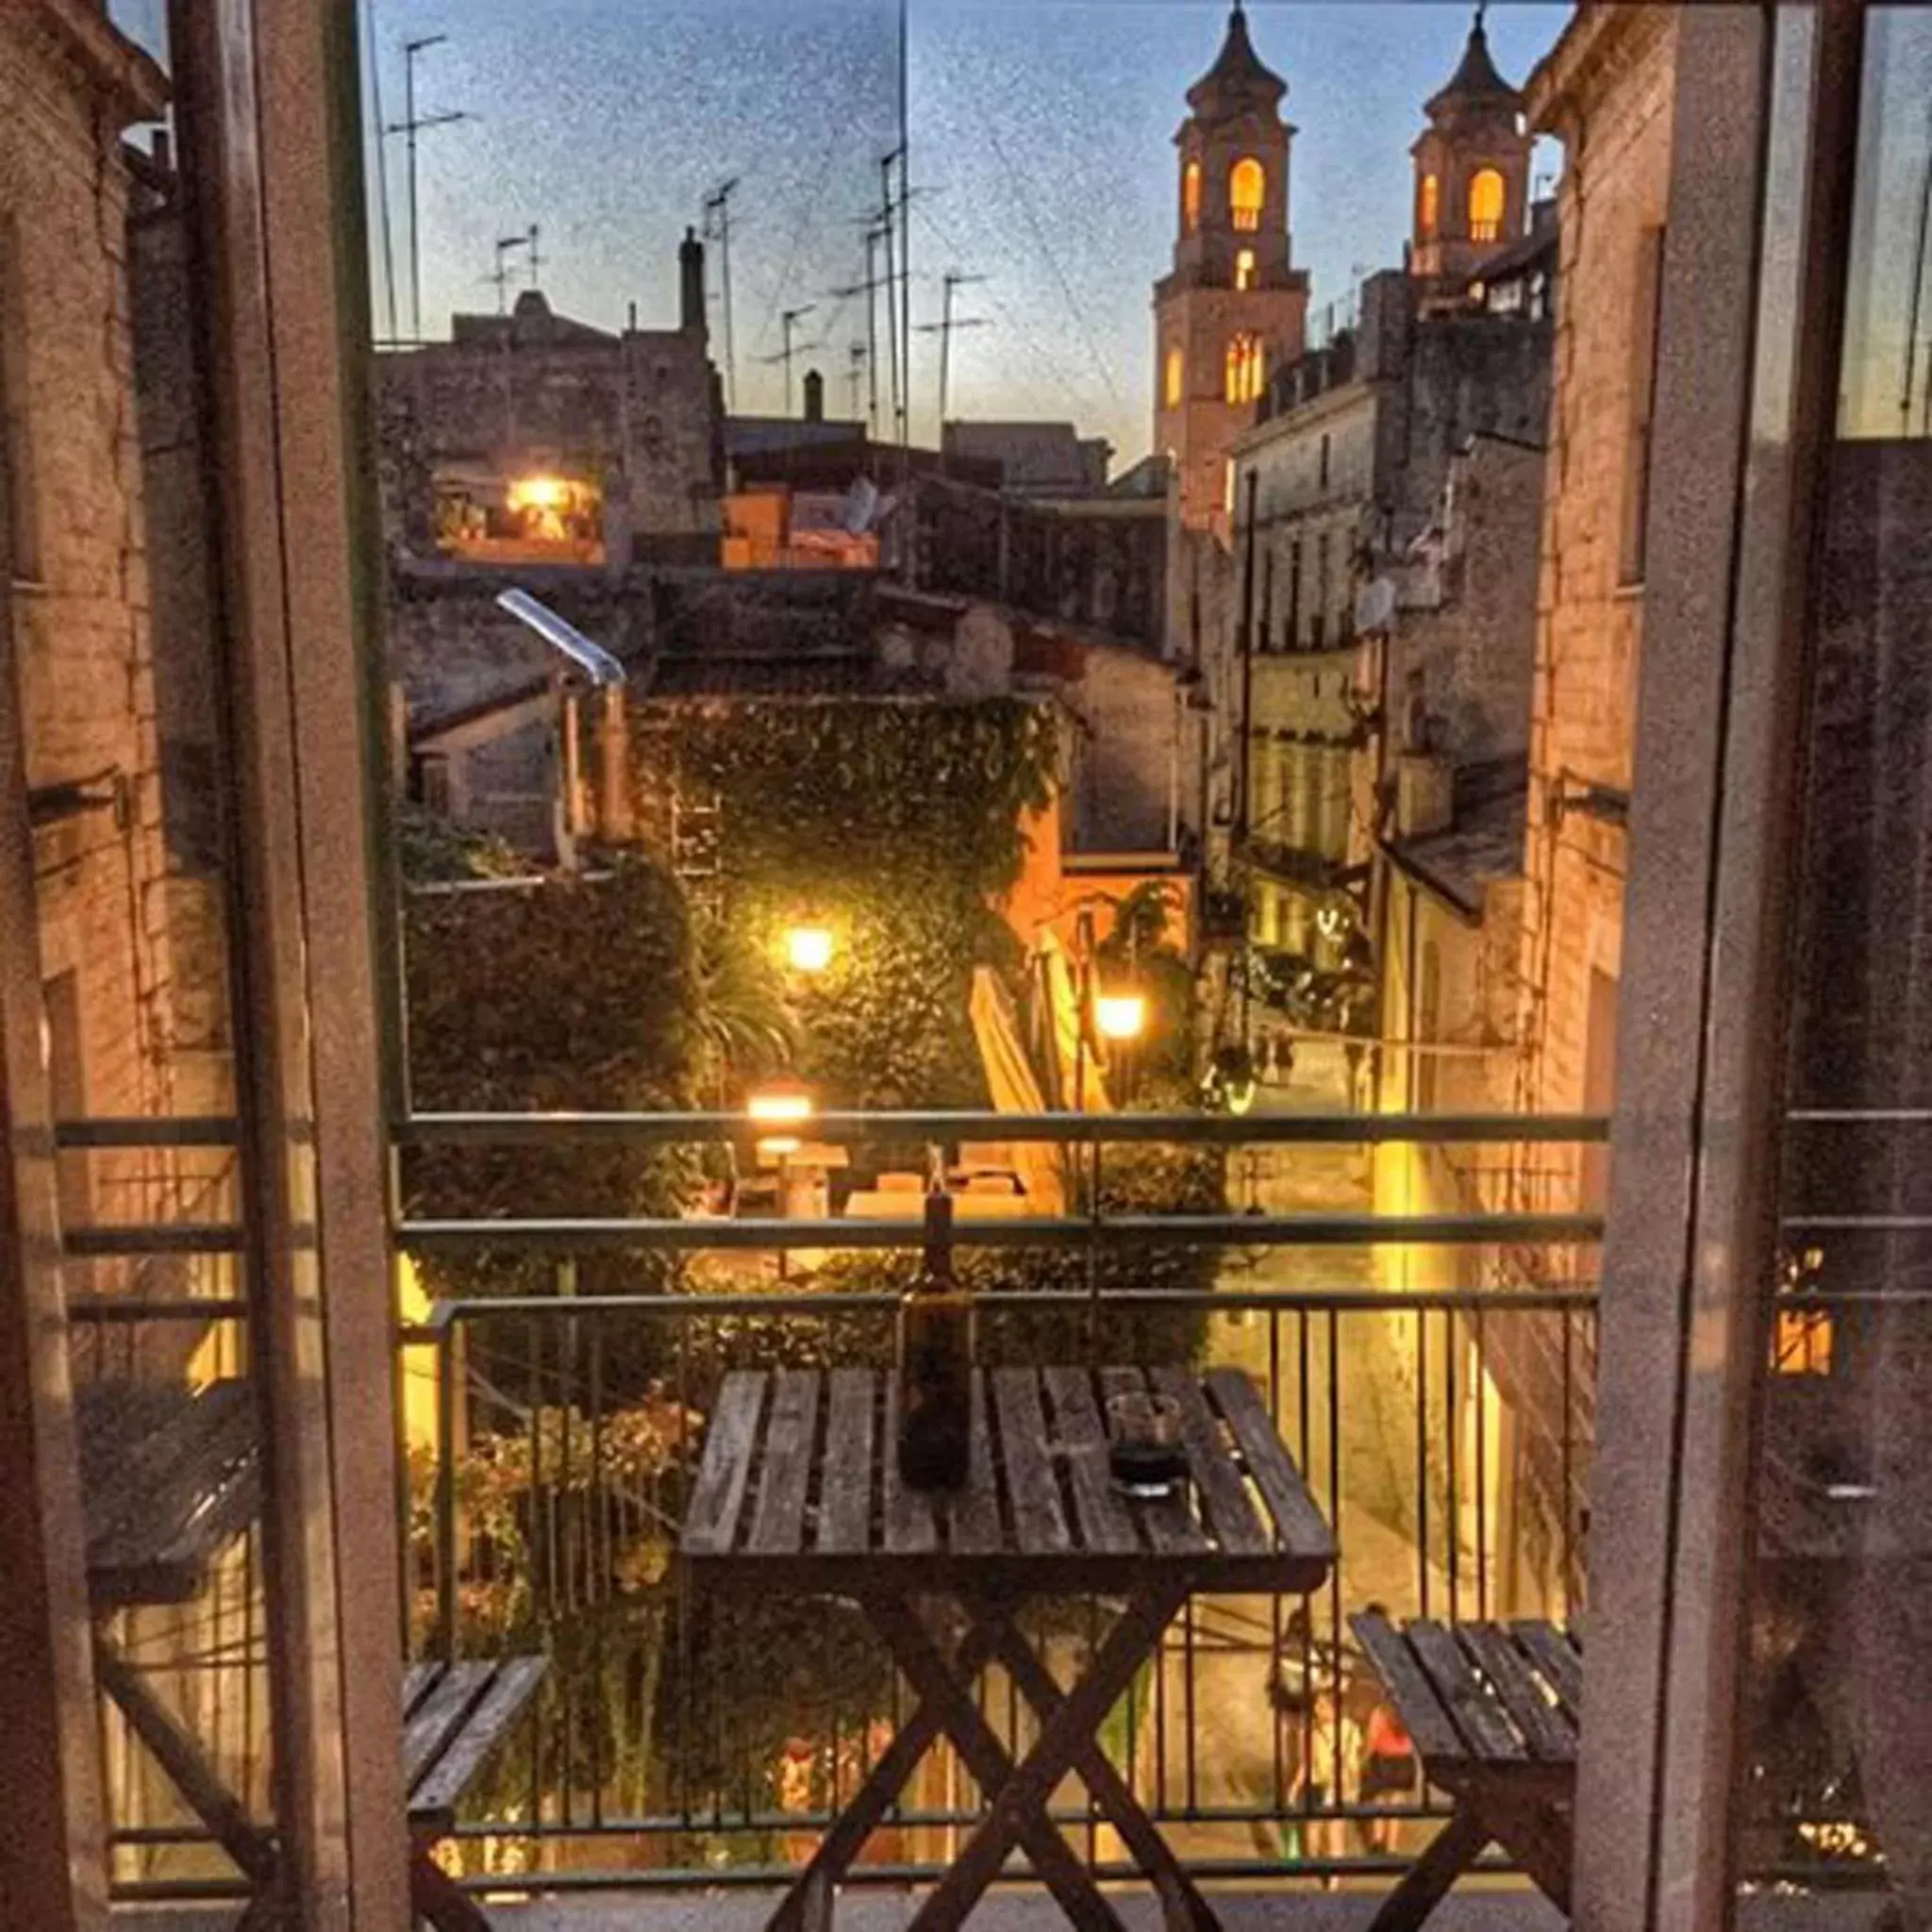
1175 368
1247 188
1429 208
1244 269
1191 196
1248 368
1486 195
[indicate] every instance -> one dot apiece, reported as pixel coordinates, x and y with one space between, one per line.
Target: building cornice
128 77
1604 38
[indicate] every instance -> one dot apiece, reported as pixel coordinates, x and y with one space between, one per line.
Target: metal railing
552 1430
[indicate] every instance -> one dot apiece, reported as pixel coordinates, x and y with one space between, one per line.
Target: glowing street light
1120 1015
784 1104
808 948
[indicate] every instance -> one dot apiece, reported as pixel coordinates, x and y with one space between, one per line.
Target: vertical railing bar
1421 1457
597 1558
1276 1728
1452 1509
1334 1585
446 1491
1479 1376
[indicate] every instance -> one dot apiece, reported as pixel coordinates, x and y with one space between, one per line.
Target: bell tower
1472 169
1233 306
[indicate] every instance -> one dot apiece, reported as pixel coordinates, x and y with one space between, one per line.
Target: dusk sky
1042 139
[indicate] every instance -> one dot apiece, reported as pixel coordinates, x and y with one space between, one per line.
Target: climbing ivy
899 823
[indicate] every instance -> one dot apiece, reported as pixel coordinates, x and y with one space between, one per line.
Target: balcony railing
552 1430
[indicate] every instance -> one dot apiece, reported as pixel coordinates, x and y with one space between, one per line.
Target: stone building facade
535 437
77 620
1233 306
1363 466
1605 91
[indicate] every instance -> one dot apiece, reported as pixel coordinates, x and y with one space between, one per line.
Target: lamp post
785 1106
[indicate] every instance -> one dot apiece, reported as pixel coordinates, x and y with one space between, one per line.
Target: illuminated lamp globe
808 948
781 1104
1120 1015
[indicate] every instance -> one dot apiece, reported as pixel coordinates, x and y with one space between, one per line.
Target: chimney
814 396
690 282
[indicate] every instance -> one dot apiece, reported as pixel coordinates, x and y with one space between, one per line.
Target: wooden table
799 1491
170 1477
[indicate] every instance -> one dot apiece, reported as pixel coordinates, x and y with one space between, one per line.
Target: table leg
848 1832
1183 1907
177 1753
1080 1714
1424 1885
949 1693
1538 1835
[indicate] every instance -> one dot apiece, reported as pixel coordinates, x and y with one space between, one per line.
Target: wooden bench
1493 1710
455 1715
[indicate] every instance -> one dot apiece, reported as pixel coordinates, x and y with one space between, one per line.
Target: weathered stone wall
1464 640
1612 203
80 607
638 413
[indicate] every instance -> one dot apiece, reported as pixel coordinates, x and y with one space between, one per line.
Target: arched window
1244 268
1429 208
1191 196
1247 188
1171 385
1247 367
1486 197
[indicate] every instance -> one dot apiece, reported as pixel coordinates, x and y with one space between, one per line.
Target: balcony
553 1430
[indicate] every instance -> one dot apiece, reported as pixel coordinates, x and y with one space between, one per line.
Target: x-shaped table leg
849 1831
1182 1905
1018 1802
948 1691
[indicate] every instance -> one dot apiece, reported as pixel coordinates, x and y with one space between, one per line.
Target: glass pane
106 558
1837 1771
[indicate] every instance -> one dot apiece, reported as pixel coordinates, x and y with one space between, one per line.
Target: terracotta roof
1476 81
1238 81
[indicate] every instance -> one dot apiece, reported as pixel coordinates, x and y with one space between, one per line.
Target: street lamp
808 948
784 1103
1120 1016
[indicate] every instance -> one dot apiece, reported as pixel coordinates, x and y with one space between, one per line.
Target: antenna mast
717 227
410 128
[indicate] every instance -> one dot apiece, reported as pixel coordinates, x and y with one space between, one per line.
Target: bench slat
1478 1712
1299 1524
1550 1736
513 1684
440 1716
710 1524
1555 1655
1422 1712
417 1680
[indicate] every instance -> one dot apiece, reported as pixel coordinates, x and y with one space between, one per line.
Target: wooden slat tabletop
799 1489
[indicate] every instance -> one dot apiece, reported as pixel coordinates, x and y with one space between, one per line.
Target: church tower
1233 308
1472 169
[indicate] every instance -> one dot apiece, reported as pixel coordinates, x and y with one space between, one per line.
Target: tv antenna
717 227
943 328
788 320
410 126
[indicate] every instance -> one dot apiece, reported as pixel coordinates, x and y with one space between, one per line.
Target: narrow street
1344 1389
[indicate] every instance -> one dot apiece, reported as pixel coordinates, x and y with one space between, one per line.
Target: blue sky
1041 135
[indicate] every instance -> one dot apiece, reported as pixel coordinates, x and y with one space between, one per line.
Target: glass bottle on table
936 1363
